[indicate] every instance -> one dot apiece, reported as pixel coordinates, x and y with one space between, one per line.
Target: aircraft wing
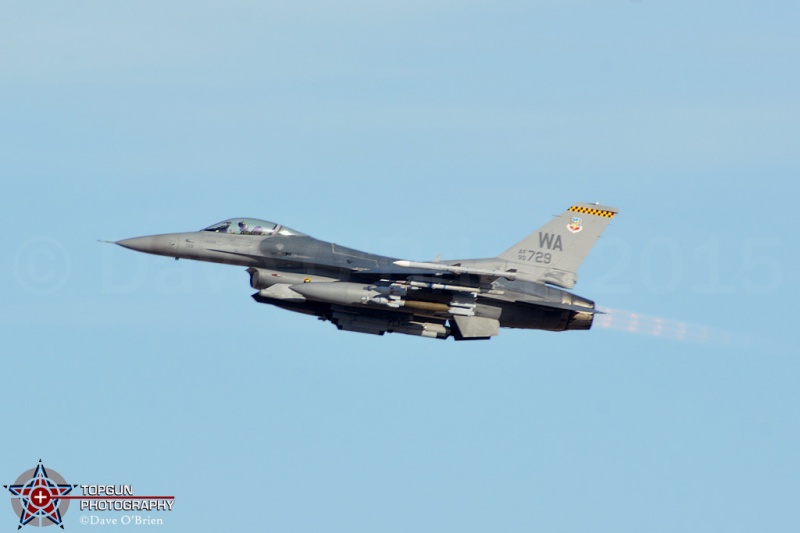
393 273
458 269
448 274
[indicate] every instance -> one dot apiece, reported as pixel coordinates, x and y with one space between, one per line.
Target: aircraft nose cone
153 244
140 244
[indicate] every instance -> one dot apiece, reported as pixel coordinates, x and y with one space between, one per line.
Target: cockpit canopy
251 226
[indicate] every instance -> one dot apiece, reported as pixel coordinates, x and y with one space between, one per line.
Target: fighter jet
467 299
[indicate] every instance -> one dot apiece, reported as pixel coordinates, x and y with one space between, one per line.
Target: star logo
37 497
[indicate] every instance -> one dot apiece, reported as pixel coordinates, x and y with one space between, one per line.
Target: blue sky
412 129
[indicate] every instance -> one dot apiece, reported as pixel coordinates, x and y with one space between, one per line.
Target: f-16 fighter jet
467 299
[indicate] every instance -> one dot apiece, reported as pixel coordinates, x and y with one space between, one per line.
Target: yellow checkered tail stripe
590 211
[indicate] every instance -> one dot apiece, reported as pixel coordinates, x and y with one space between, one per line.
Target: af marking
535 257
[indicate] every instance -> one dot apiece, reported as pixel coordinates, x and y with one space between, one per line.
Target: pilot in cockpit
243 229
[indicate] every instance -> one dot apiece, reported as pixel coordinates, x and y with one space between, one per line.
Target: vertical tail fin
554 252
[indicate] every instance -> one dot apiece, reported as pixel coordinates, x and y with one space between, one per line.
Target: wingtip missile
510 275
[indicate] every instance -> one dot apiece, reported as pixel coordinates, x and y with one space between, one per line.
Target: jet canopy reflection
251 226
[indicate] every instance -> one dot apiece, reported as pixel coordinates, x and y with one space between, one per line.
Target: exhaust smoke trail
637 323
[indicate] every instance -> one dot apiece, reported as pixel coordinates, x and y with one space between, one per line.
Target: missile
442 286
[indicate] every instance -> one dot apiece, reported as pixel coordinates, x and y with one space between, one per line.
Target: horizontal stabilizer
565 307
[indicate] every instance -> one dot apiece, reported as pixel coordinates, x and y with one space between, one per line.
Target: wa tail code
550 241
